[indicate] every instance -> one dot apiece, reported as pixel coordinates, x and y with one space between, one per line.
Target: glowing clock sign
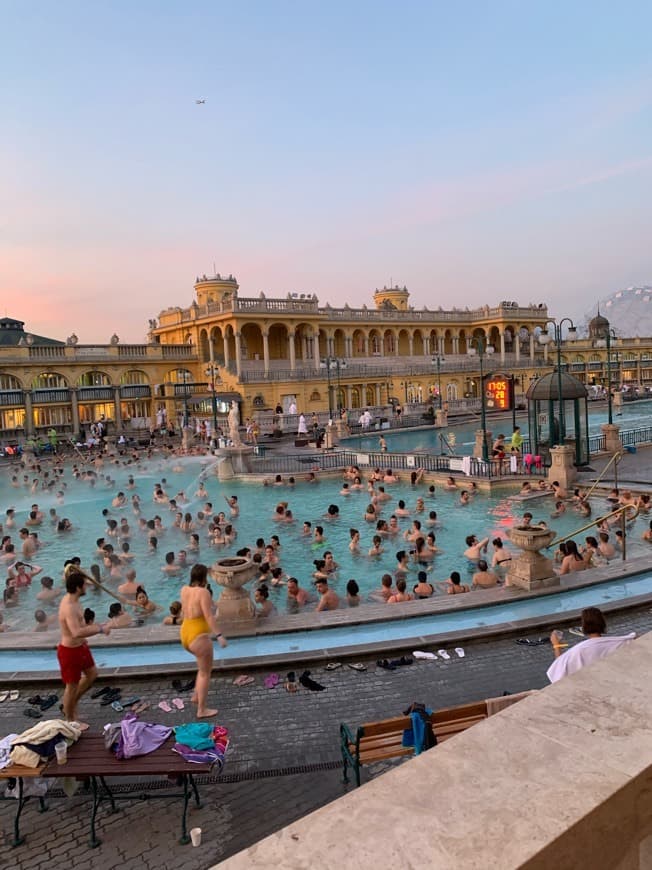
499 391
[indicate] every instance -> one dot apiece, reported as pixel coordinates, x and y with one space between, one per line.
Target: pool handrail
615 459
619 511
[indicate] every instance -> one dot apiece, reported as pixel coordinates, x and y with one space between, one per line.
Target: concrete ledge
562 779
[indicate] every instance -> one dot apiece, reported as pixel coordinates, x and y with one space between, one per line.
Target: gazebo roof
547 388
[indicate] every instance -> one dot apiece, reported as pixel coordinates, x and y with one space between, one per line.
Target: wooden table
89 760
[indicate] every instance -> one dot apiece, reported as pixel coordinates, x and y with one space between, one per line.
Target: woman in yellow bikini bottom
191 629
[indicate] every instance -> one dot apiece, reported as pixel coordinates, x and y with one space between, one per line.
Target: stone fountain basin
531 538
233 572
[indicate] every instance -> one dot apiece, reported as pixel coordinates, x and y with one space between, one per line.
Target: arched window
9 382
94 379
133 377
49 381
179 376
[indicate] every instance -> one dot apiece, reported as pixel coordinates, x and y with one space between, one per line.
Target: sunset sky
474 152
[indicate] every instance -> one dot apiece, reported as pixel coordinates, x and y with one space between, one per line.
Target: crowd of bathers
404 526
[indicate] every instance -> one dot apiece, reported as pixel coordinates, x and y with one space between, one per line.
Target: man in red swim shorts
78 670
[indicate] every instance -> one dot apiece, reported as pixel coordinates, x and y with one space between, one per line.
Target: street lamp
606 334
333 361
545 338
210 372
482 348
437 361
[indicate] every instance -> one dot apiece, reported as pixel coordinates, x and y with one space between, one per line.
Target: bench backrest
443 720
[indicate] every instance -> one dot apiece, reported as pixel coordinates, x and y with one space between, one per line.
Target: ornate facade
266 352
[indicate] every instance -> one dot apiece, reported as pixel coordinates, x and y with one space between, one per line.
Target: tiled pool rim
403 613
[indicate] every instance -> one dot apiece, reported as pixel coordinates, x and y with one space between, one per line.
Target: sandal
356 666
178 703
386 665
163 705
333 666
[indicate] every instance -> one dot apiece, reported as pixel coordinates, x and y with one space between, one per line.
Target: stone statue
234 425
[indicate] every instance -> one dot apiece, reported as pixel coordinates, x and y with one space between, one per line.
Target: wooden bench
379 741
20 773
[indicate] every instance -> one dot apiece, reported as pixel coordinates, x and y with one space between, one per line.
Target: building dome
598 326
547 388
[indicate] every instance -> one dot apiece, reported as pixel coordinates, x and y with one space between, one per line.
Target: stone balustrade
561 779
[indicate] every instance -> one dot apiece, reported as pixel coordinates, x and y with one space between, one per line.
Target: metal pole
610 413
214 402
624 531
338 404
485 451
561 406
439 382
330 397
514 403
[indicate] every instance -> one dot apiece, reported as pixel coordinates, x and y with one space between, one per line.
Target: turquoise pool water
321 639
634 415
484 516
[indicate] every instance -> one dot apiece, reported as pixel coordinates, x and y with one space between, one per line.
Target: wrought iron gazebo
553 421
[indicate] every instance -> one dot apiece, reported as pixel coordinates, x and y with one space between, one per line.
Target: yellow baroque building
268 352
272 352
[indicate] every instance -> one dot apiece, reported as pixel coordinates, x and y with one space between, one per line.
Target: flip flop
163 705
243 680
117 706
3 696
97 694
14 695
333 666
35 700
130 702
460 652
577 632
443 653
48 702
271 681
178 703
356 666
32 713
140 708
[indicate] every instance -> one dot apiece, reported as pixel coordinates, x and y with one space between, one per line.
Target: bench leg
22 800
114 809
357 773
42 806
195 791
97 797
185 839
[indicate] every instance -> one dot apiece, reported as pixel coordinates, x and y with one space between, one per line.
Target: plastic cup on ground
61 750
195 836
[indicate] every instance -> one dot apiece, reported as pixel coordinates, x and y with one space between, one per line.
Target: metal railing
403 462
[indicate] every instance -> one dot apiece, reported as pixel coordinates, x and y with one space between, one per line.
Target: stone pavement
283 760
